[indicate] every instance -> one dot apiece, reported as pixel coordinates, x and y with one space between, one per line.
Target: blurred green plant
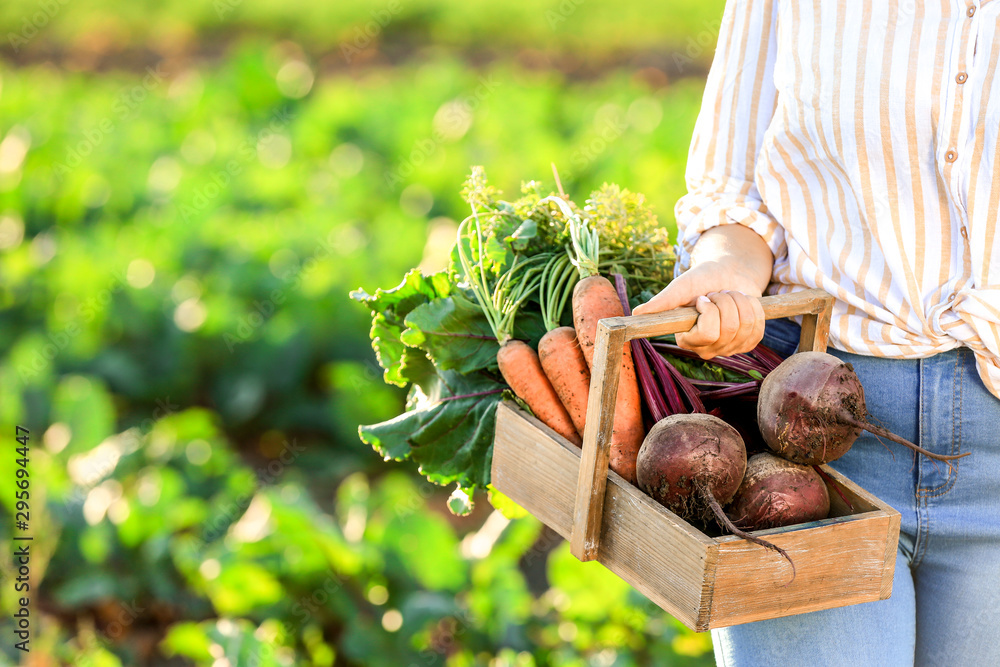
175 244
356 32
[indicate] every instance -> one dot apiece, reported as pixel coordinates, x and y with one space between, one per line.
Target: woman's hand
731 266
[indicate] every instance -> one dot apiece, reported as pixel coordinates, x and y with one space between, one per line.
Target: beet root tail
712 502
847 418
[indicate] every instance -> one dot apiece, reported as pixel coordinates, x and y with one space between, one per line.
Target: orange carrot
522 370
567 370
595 298
629 432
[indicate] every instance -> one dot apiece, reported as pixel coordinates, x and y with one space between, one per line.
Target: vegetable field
188 194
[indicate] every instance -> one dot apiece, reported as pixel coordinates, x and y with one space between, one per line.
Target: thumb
678 293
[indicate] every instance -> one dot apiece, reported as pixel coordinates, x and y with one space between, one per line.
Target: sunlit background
188 192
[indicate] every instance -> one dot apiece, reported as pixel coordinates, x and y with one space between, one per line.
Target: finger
678 293
750 329
729 319
705 333
757 331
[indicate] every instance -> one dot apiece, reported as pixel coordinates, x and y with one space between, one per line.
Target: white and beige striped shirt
861 140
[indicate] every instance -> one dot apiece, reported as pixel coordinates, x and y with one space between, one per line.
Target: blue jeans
945 603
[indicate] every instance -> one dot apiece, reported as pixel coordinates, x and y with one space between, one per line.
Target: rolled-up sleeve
737 107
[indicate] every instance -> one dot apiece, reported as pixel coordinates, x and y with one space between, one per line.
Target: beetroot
811 409
682 449
776 492
692 463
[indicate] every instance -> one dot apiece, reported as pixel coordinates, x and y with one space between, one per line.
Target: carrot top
499 298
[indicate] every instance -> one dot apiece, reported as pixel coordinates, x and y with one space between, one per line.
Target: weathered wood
593 474
889 564
811 301
836 564
661 555
807 334
532 468
816 330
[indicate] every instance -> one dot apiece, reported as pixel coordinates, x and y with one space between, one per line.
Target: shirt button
962 77
951 297
965 233
951 156
971 11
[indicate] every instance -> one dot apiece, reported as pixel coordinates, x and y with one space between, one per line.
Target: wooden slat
533 469
845 559
816 330
807 334
654 550
891 546
608 349
836 565
811 301
658 553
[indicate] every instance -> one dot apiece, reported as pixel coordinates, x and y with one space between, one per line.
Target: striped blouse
861 140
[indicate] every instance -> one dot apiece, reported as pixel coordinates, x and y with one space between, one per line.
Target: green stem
478 283
566 285
551 290
585 241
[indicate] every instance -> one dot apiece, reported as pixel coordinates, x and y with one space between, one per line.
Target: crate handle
612 335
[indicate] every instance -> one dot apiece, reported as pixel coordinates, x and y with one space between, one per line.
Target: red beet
776 492
811 409
681 449
693 464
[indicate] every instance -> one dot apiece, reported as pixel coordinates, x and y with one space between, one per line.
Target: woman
852 145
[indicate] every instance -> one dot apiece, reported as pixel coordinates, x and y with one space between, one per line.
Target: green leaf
389 310
452 440
529 326
523 235
241 642
454 332
460 501
697 369
413 540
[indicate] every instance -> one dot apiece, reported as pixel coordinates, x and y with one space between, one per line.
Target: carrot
595 298
567 370
628 433
522 370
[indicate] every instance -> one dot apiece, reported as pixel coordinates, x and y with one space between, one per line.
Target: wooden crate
703 581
